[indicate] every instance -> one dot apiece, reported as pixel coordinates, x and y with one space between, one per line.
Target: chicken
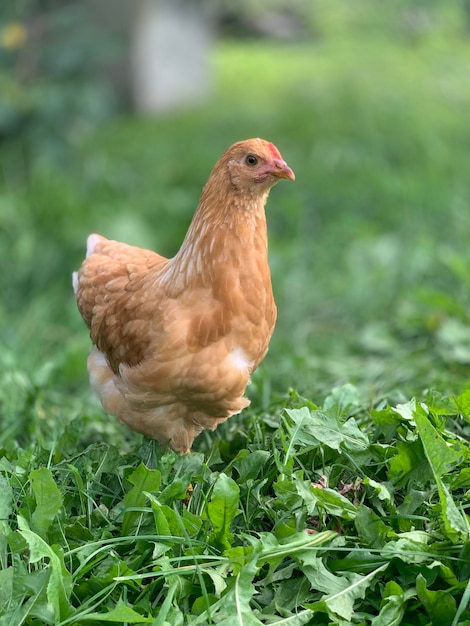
176 340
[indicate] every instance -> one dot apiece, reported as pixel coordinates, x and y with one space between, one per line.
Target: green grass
341 496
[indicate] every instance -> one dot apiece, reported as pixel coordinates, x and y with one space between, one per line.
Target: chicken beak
282 170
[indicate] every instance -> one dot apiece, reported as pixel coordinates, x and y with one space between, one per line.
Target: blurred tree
170 53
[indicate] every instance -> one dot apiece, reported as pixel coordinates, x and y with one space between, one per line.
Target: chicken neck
227 234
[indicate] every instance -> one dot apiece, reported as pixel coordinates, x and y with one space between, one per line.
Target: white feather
240 359
91 243
75 282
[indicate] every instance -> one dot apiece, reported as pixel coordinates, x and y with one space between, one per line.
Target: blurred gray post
170 54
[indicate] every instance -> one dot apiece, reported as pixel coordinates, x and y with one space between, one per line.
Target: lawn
341 496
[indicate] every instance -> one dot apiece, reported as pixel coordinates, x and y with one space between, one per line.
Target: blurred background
113 113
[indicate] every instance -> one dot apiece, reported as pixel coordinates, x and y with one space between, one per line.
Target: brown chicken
175 340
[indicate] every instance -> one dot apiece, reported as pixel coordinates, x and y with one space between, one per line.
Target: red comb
273 150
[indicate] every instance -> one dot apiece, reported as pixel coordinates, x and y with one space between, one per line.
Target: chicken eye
251 160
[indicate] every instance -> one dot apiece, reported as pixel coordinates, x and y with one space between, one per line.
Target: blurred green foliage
52 60
368 248
370 261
